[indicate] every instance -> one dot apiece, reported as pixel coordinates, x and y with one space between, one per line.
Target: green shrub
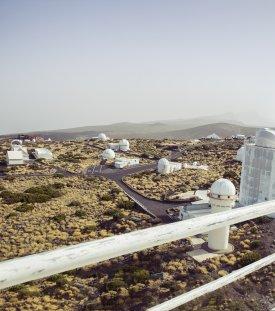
24 207
249 258
88 229
12 214
39 194
58 185
59 279
58 175
115 283
125 204
141 275
74 203
255 244
106 197
29 291
59 217
116 214
80 213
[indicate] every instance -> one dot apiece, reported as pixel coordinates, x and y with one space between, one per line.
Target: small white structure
213 136
258 169
222 198
43 153
108 154
167 167
240 154
124 145
124 162
239 136
18 154
15 158
195 166
114 146
102 137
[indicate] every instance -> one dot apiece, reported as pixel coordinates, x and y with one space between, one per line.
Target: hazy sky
73 63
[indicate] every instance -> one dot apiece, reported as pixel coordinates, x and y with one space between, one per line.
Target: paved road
155 208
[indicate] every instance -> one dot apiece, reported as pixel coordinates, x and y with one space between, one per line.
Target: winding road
155 208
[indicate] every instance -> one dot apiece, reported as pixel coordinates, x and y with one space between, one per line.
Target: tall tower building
222 198
258 169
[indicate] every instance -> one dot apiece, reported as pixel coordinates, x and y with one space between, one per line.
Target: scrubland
45 212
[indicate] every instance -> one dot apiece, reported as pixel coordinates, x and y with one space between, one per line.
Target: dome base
228 250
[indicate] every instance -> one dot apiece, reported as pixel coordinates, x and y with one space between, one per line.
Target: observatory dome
222 187
16 144
265 138
102 137
108 154
124 145
163 166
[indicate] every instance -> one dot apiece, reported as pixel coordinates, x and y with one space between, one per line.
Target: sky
74 63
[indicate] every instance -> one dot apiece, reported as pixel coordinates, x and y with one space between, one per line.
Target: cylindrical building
222 198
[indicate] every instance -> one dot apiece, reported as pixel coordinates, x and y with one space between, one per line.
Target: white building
18 154
122 145
239 136
258 169
167 167
108 154
102 137
195 166
222 198
213 136
43 153
240 154
15 157
124 162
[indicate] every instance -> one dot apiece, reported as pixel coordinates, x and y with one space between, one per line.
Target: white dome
163 166
240 154
102 137
108 154
16 145
124 145
265 138
223 187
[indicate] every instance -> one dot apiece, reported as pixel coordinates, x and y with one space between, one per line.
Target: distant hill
223 125
221 129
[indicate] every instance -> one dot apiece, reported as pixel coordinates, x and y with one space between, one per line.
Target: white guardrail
37 266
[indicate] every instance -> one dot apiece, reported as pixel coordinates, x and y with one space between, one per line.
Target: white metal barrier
33 267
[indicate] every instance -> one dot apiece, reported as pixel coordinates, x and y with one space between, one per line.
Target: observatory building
102 137
108 154
222 198
258 169
18 154
43 153
167 167
122 145
124 162
213 136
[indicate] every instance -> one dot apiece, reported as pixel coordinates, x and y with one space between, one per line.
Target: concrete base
201 255
228 250
204 252
196 240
